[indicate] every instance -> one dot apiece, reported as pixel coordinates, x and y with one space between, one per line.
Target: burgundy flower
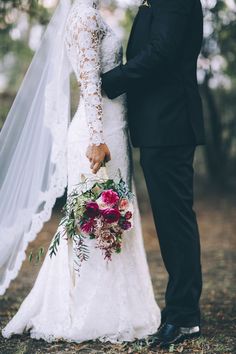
128 215
126 225
111 215
92 209
110 197
87 226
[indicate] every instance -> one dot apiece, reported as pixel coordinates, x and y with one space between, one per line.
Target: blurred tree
126 23
218 89
32 7
15 52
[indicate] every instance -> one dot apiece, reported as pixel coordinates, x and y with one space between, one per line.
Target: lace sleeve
89 37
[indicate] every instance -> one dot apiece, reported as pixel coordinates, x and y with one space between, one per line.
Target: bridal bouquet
101 213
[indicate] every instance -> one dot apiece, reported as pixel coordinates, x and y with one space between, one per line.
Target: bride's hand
97 155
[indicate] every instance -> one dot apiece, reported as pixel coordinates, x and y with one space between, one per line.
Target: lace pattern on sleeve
87 40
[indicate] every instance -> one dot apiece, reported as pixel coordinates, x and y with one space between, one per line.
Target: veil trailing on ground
33 156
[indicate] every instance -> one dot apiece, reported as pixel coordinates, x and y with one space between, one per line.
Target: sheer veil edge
33 153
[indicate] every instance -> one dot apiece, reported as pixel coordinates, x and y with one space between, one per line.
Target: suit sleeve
170 19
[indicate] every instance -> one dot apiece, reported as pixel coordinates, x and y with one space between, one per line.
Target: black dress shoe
169 334
158 337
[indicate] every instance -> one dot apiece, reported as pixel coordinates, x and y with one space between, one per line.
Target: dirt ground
217 221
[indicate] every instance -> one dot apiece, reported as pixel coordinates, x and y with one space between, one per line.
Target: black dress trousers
169 176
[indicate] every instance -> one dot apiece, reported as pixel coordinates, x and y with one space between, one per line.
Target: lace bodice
92 48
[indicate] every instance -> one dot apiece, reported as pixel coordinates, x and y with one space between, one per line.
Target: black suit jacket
164 105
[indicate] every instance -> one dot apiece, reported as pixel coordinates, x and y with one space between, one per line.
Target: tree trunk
216 159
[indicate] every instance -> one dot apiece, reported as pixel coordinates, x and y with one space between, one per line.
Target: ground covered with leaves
217 221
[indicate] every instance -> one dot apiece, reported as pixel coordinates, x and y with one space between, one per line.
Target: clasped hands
98 155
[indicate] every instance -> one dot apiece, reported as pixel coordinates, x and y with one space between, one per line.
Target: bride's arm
88 38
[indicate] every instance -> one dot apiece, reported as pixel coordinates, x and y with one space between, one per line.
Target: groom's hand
97 155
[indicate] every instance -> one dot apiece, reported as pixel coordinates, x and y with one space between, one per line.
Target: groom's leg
169 176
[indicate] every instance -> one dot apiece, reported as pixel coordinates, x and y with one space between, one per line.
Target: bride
40 153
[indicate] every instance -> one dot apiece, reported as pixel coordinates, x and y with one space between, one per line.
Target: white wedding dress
109 301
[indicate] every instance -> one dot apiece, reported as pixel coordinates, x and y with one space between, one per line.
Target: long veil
33 156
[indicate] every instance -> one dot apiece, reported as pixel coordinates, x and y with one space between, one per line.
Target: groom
166 123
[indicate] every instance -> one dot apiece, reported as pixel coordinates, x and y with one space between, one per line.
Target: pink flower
126 225
110 197
128 215
87 226
124 203
92 209
111 215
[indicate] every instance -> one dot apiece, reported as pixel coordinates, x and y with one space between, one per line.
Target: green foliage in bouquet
77 216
